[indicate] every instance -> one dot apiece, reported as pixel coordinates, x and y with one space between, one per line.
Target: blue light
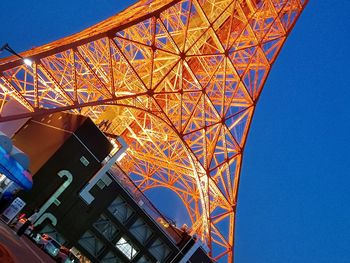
14 171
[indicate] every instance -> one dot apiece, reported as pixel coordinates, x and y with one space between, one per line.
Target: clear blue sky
294 197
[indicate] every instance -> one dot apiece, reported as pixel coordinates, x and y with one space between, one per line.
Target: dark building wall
46 181
58 142
42 136
39 142
94 139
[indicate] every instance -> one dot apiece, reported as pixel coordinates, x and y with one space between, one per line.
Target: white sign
10 212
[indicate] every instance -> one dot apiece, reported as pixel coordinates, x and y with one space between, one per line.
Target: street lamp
26 61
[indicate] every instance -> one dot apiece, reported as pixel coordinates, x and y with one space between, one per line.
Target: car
49 245
36 237
17 225
66 256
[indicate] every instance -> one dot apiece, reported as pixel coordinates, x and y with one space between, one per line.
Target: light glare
28 62
121 156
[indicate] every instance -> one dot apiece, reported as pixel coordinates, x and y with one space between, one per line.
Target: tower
179 81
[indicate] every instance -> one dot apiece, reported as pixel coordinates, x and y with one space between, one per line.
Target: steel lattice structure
179 81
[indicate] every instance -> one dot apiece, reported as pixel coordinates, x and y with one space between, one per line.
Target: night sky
294 192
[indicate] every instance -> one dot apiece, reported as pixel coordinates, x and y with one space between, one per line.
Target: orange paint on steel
179 80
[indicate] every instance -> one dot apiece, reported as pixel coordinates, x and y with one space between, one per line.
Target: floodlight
26 61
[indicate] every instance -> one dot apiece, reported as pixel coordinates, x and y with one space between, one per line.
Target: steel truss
179 80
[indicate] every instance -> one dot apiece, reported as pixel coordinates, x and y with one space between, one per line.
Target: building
87 203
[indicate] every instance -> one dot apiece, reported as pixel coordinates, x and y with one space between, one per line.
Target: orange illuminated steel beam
179 81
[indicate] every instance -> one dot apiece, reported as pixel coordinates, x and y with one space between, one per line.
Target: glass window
106 227
126 248
144 259
91 243
141 231
121 210
110 257
159 250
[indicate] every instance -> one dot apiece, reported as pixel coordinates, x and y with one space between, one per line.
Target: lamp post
6 47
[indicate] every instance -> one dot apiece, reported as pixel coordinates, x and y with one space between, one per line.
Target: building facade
118 223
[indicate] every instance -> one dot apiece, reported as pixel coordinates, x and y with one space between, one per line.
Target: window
121 210
110 257
141 231
91 243
105 227
159 250
126 248
144 259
